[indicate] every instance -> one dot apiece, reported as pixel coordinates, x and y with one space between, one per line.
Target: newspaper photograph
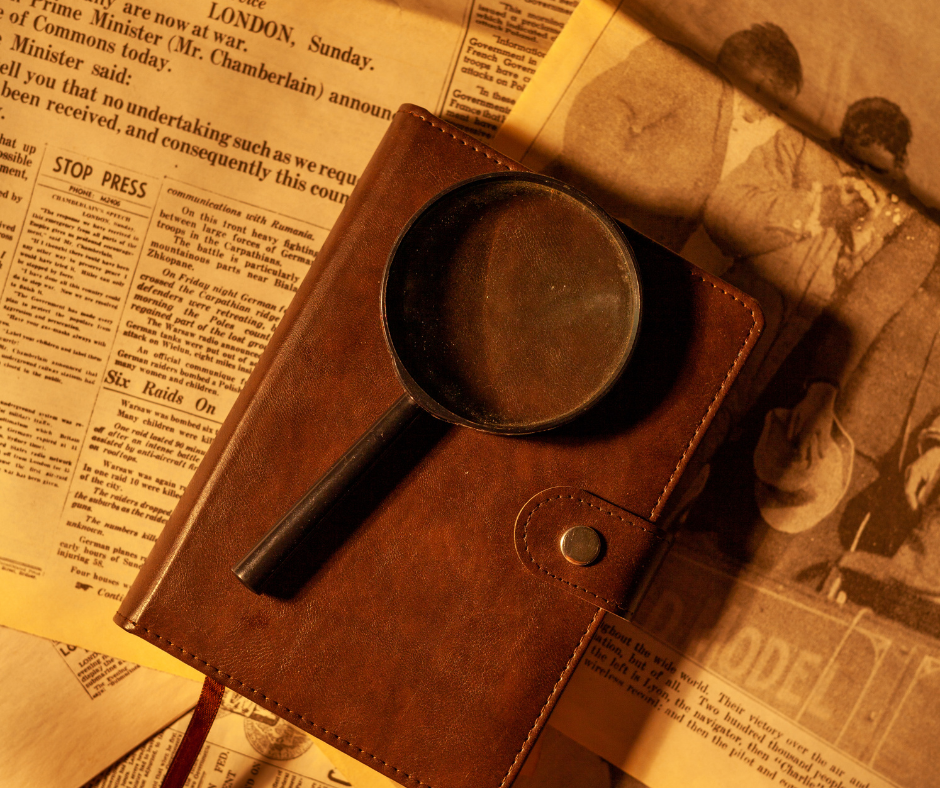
803 593
168 172
844 60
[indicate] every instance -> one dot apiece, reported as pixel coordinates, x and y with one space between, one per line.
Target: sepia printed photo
806 569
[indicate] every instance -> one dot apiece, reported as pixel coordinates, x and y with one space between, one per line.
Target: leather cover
410 633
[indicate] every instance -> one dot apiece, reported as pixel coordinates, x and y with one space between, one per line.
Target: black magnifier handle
267 555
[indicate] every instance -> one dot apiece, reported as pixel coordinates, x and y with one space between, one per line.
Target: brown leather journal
432 622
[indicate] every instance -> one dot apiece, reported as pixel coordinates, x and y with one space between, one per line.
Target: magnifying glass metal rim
631 270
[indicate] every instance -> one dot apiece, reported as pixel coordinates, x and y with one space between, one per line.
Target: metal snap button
580 545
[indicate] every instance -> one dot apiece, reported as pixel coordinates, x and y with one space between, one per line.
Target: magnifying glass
510 304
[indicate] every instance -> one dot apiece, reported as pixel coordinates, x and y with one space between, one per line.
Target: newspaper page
850 53
249 746
246 746
68 713
501 48
792 636
168 172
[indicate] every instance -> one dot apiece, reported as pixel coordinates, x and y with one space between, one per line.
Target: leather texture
631 548
407 633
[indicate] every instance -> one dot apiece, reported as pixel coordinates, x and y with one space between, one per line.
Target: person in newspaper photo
841 443
648 137
800 220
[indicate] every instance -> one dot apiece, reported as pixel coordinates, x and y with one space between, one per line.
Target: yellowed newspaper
69 713
247 745
792 637
168 172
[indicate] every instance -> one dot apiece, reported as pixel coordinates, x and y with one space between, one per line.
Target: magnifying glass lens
511 305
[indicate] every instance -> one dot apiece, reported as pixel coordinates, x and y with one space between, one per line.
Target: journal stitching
153 635
718 392
196 658
550 696
470 145
528 738
609 513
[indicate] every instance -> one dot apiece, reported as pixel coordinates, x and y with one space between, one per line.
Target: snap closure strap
630 553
